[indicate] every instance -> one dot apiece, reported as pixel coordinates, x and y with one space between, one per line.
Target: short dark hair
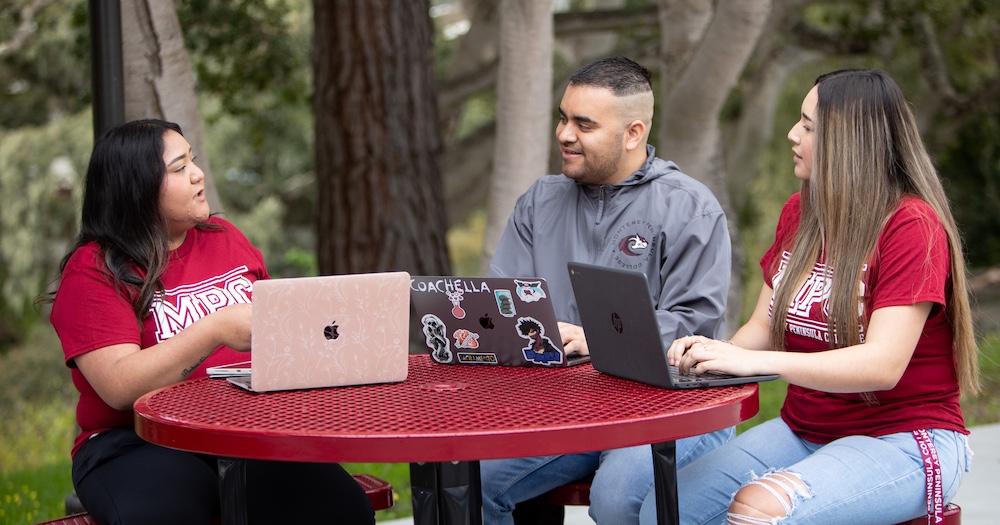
527 325
621 75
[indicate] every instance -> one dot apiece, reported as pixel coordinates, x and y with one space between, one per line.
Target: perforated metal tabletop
439 413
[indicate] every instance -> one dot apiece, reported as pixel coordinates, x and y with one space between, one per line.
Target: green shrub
984 409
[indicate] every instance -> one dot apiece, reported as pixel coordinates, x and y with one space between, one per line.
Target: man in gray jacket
618 205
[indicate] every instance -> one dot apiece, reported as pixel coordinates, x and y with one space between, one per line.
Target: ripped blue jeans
856 479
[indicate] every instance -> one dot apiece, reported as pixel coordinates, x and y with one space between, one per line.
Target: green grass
34 494
34 454
37 411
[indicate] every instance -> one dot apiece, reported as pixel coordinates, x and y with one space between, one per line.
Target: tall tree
702 59
524 109
159 79
380 201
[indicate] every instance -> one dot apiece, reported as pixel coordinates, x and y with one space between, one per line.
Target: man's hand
573 340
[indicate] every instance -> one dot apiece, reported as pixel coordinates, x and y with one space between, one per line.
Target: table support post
446 493
233 490
665 475
423 486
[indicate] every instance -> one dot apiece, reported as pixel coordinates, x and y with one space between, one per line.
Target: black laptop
623 336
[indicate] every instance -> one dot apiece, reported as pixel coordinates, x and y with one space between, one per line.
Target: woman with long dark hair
155 290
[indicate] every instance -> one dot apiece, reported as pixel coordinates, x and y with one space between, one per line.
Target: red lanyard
932 471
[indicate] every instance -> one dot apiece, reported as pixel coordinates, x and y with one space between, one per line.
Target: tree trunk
682 25
159 80
689 130
380 204
524 109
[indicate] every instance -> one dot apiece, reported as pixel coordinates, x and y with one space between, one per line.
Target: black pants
122 479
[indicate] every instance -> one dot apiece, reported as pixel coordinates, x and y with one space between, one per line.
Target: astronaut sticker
436 338
540 349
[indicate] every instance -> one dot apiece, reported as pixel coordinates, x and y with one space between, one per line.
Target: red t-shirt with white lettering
911 265
210 270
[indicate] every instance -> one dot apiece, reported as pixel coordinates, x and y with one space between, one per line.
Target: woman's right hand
234 327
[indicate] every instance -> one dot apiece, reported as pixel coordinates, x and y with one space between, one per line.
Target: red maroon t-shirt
911 265
210 270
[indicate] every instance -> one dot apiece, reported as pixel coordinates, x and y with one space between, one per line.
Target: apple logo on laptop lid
332 331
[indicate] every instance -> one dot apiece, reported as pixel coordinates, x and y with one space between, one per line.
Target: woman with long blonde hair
865 313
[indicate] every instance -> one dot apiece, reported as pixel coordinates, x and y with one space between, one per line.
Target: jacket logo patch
633 246
634 243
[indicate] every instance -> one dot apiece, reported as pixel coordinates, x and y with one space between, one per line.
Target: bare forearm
122 373
877 364
844 370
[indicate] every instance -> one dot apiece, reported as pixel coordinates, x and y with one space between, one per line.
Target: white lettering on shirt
190 302
803 318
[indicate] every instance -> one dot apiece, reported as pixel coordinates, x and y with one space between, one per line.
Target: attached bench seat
73 519
379 493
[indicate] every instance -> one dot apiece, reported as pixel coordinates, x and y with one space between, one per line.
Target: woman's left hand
702 354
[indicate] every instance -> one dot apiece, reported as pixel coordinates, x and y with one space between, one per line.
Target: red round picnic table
442 420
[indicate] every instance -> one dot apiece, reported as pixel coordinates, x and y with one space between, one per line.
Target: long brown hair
868 156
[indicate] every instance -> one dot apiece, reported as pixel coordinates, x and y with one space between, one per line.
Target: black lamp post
106 70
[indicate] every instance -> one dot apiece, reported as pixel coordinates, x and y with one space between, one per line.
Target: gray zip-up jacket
658 221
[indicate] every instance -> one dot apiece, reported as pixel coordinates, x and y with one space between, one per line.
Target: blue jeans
622 477
856 479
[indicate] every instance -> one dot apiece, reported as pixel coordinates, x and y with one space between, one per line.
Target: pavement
978 495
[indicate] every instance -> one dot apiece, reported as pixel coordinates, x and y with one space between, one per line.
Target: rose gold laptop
337 330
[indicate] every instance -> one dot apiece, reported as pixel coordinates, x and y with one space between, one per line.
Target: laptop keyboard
690 377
